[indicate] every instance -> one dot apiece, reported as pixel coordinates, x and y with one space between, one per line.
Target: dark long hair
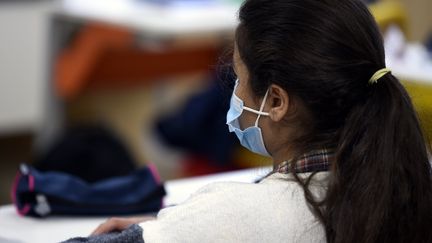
323 52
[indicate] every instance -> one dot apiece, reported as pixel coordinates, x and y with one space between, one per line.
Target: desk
14 228
157 20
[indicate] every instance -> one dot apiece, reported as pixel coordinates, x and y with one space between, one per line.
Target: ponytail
323 53
380 189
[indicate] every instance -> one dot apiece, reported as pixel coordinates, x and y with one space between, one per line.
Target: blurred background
99 88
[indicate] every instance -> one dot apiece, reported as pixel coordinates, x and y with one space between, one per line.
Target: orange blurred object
103 56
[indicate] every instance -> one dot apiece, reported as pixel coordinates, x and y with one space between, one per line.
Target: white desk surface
157 20
14 228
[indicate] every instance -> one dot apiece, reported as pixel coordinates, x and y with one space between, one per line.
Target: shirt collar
314 161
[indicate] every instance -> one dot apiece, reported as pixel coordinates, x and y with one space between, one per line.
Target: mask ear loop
260 112
262 108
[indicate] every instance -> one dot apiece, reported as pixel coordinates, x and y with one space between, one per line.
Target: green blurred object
421 95
388 13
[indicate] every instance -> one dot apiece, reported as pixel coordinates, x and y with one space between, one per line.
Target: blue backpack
40 194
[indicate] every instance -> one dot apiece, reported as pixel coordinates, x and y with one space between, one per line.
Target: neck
282 154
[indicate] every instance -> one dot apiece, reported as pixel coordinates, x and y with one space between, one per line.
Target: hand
113 224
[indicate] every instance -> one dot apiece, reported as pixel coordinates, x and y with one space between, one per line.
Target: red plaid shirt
317 160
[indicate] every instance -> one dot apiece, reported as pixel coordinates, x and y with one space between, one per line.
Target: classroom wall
23 66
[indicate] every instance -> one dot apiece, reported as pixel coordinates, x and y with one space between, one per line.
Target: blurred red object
102 56
195 165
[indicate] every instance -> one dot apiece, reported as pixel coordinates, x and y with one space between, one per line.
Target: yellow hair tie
378 74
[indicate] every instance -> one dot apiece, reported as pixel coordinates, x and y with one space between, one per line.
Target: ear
279 102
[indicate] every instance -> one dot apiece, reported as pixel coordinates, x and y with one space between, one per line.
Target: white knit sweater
273 210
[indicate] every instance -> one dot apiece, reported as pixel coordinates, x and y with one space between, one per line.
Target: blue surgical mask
250 138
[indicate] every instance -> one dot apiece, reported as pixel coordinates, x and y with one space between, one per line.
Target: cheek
247 119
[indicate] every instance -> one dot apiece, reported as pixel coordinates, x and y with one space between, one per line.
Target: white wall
23 64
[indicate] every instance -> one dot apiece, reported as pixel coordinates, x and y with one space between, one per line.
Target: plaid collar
314 161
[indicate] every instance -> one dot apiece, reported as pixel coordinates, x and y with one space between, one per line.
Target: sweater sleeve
199 219
133 234
235 212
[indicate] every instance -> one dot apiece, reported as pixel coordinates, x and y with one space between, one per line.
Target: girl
350 161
